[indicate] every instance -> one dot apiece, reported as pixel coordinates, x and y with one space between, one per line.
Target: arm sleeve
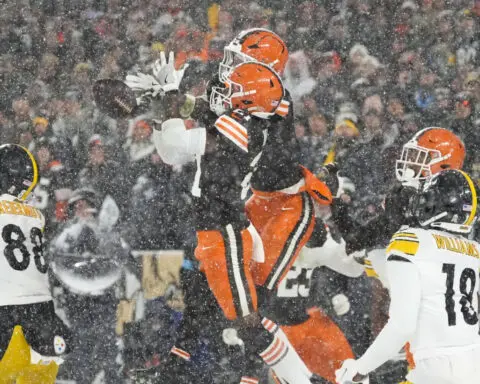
177 145
331 255
379 229
405 295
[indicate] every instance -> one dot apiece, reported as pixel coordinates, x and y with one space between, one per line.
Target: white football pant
459 368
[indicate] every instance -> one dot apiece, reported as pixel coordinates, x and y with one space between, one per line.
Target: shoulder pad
405 242
283 108
232 127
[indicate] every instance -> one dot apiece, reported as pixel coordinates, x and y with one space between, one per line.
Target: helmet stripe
35 173
474 198
420 133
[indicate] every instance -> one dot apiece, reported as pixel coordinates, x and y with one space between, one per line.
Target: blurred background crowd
364 75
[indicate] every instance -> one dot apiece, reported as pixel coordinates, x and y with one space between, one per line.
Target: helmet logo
59 345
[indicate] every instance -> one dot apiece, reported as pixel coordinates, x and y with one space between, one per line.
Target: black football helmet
18 171
448 202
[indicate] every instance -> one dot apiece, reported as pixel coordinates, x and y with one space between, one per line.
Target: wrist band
187 108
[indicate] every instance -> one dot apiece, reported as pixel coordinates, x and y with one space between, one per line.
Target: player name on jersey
14 208
457 245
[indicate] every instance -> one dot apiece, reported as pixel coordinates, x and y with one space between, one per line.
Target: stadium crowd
364 76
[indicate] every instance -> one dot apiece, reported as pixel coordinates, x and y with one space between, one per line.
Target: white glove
166 74
341 304
144 84
346 373
230 337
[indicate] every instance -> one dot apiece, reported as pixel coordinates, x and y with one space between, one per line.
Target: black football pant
40 325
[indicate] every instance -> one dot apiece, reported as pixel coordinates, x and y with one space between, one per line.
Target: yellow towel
16 368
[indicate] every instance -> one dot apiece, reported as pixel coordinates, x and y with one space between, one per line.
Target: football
114 98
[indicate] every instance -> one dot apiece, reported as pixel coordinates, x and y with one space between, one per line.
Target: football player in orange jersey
430 151
277 183
281 208
231 253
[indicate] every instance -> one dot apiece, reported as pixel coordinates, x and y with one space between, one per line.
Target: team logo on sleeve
59 345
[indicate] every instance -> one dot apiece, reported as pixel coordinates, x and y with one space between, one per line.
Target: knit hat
94 141
345 126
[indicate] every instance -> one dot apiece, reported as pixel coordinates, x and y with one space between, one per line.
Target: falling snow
123 219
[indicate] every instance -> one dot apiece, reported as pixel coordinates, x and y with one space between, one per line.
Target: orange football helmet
252 87
257 44
430 151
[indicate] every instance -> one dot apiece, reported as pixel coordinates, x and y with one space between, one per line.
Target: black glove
328 174
340 216
397 205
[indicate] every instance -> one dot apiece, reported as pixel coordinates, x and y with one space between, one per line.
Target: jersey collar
7 197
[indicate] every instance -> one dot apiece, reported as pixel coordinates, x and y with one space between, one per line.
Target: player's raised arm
176 144
405 294
140 92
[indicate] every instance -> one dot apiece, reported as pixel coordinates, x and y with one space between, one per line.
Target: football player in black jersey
281 209
263 268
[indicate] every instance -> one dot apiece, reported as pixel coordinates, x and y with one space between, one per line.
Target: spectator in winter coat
314 141
62 146
472 86
54 187
327 70
139 148
467 126
364 163
298 80
102 174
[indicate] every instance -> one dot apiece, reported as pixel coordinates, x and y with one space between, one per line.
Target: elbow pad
176 145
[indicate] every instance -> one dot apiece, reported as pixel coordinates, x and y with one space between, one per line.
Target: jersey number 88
15 240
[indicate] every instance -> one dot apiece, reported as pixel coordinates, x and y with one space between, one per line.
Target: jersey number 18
468 280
